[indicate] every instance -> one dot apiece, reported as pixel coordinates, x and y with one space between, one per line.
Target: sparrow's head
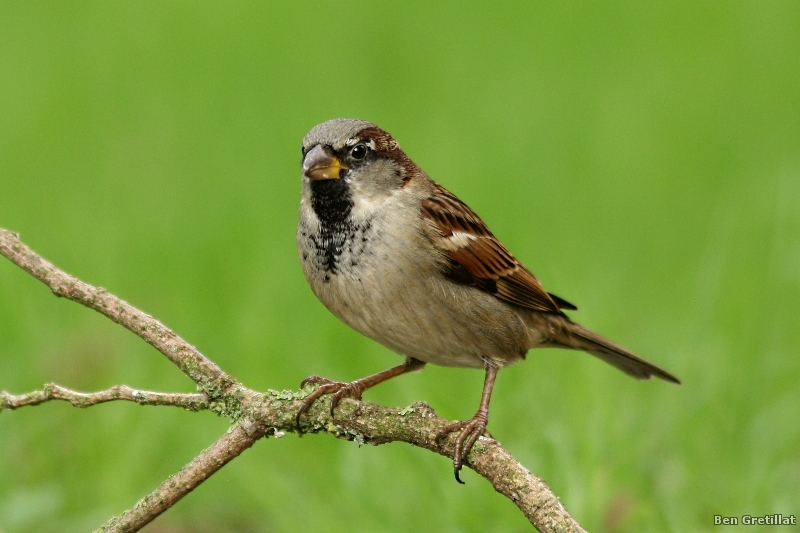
356 155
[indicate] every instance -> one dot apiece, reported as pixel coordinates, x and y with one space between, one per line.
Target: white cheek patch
458 240
364 207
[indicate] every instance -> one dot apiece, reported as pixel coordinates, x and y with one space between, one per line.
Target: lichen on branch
255 415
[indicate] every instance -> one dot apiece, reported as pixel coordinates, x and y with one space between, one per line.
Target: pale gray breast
375 279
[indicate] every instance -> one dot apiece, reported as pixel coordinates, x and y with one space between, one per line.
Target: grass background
642 159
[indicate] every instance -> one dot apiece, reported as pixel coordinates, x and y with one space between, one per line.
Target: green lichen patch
287 395
406 410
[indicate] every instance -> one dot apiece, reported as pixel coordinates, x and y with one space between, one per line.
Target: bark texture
262 414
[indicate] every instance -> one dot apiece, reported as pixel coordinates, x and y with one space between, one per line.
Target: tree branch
208 376
256 414
419 426
231 444
52 391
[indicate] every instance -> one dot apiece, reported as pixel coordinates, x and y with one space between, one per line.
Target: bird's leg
472 429
354 389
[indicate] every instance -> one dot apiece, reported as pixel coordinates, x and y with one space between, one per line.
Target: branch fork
255 415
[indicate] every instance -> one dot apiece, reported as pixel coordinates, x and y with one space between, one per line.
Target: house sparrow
401 259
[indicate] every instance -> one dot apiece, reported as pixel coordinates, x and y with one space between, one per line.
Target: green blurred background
643 159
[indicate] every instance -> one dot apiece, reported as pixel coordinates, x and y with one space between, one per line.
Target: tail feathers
584 339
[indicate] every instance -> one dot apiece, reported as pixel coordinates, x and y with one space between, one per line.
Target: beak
321 165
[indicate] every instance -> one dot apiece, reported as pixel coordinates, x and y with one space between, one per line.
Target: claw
316 380
470 432
472 429
349 390
307 403
326 386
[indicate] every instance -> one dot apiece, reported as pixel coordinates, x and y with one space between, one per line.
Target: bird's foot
469 432
326 386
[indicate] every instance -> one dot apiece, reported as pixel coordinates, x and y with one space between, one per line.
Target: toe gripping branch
353 389
471 430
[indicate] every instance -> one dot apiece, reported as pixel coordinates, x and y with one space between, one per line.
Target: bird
400 259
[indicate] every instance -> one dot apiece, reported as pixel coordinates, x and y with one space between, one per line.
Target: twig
208 376
231 444
257 414
52 391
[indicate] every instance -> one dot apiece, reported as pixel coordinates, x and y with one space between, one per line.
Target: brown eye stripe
386 146
383 141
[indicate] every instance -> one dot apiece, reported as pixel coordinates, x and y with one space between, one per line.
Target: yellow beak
321 165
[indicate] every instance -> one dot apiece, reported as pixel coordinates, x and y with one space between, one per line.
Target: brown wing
477 257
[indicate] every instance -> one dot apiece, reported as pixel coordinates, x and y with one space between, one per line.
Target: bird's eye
358 151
